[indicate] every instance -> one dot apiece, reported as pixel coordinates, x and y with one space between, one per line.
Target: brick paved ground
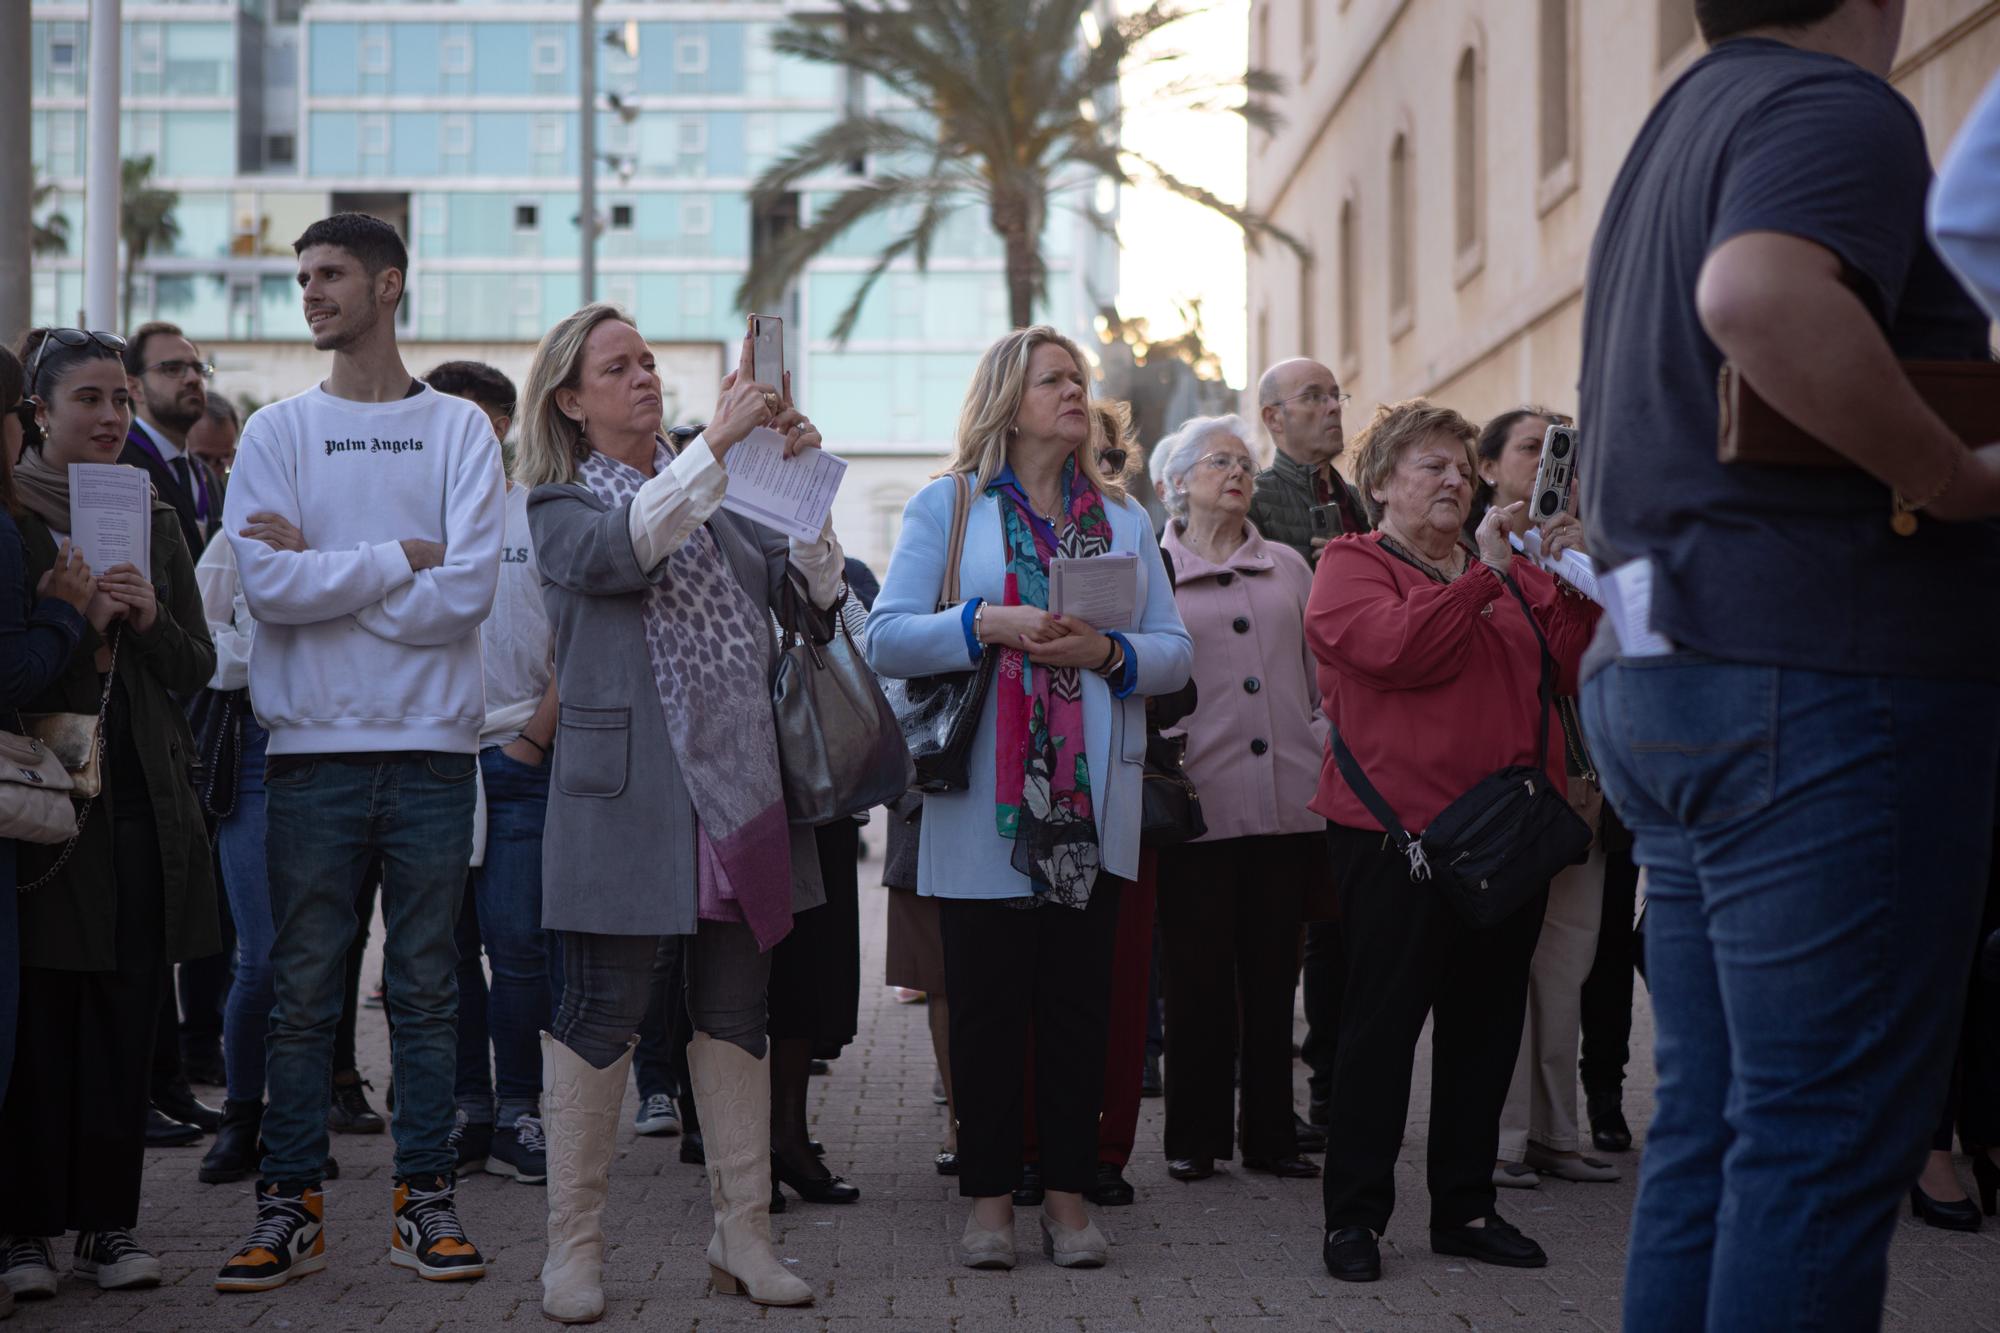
1234 1252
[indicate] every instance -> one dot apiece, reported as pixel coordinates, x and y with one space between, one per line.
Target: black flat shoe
1191 1168
1110 1189
693 1151
815 1147
1319 1114
947 1163
1608 1130
1352 1255
1310 1136
1029 1193
236 1151
777 1196
1150 1082
1945 1215
813 1189
178 1102
163 1131
1497 1242
1288 1168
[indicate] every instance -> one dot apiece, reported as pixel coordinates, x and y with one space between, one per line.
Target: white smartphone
767 350
1555 475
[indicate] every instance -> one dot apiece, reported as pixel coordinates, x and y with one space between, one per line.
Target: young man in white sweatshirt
366 673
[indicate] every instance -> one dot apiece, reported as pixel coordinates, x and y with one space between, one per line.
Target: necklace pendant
1487 610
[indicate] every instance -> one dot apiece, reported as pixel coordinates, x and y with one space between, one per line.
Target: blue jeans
246 1018
327 818
1816 849
503 911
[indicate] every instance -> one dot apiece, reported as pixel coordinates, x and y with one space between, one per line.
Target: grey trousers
606 987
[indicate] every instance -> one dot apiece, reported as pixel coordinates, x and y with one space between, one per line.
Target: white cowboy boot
732 1090
580 1106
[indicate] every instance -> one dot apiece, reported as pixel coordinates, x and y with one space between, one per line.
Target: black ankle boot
1608 1130
233 1155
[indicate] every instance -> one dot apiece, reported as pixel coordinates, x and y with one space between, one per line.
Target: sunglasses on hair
110 342
1112 461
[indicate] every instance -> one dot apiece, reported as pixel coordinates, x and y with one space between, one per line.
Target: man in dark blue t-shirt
1801 720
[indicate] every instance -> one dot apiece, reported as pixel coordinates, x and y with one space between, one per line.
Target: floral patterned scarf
1042 784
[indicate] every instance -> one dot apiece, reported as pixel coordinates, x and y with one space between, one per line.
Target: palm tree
51 234
1010 109
145 219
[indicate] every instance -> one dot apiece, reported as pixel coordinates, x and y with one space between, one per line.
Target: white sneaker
657 1116
28 1266
117 1261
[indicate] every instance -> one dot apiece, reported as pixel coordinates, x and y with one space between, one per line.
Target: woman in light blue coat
1029 861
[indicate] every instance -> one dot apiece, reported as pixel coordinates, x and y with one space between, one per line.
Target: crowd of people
500 663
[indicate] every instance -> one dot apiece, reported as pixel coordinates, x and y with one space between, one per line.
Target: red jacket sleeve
1568 622
1362 624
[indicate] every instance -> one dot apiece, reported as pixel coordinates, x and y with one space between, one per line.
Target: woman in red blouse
1429 671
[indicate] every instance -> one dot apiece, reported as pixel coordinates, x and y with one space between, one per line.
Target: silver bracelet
978 612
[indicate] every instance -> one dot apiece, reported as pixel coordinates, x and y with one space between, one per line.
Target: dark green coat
70 923
1283 503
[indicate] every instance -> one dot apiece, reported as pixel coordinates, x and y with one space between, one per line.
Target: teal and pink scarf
1042 783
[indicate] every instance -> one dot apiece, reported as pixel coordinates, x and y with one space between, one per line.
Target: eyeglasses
1318 396
174 370
110 342
1225 463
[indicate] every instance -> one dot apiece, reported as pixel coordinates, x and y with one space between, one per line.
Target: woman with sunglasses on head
103 917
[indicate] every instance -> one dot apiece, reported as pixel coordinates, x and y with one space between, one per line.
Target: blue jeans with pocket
1816 851
327 818
503 913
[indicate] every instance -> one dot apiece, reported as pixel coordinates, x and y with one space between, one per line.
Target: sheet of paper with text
111 512
1100 590
792 495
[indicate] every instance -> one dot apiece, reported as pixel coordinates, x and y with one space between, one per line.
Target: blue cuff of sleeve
973 648
61 613
1128 674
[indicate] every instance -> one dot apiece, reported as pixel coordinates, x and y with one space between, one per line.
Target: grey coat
618 851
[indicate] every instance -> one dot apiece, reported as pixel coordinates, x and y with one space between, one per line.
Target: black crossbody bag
1494 849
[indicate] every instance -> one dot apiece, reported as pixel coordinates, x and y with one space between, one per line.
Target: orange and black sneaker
288 1241
427 1235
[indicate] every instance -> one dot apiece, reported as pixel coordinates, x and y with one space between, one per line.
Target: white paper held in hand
111 516
1100 590
792 495
1627 593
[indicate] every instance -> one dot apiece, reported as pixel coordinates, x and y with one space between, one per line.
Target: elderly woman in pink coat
1230 902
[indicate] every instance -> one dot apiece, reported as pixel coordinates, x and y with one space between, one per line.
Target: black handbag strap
1350 768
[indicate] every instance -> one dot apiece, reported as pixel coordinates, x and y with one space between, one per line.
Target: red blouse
1433 685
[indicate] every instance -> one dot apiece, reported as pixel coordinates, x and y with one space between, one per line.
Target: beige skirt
915 946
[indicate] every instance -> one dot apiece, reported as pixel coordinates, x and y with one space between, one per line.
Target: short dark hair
1493 442
135 343
474 380
222 409
369 239
60 359
1726 18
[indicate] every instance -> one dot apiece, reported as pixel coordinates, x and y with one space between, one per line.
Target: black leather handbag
940 713
216 719
1494 849
1170 808
839 751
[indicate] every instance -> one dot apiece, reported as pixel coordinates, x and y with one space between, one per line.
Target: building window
1349 255
621 217
455 54
1676 28
527 218
695 302
697 217
692 134
691 54
375 54
1468 164
281 150
1402 280
547 57
146 48
374 136
548 134
62 55
457 135
1556 81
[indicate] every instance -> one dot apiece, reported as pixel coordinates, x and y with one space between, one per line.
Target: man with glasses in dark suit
169 397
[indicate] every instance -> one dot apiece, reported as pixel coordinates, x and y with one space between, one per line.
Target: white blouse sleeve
228 616
676 501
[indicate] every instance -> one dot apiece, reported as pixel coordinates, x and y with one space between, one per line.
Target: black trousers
1009 970
1607 992
1229 921
1409 957
74 1123
1325 975
1975 1080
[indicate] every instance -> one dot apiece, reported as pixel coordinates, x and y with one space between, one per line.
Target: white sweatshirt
355 652
516 642
1965 203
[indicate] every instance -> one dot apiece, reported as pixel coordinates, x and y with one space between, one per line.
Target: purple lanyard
139 437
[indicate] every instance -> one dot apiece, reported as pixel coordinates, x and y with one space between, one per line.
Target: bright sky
1175 249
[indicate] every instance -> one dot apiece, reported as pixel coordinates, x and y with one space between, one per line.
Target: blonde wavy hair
1396 427
994 400
550 445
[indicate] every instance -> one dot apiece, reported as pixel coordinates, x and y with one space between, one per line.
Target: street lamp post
101 181
586 217
17 293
